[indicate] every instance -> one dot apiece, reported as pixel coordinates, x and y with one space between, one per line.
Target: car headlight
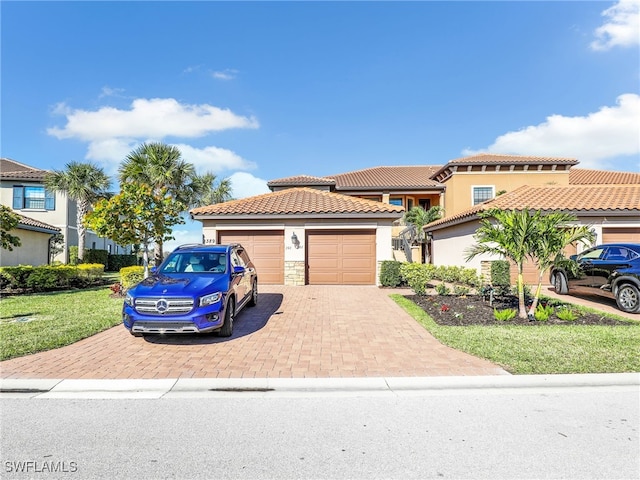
128 299
211 298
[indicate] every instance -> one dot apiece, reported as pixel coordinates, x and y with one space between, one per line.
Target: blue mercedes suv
197 289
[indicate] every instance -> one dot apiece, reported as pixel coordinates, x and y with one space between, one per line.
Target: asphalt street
588 430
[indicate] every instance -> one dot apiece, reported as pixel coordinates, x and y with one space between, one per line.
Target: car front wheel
254 295
628 298
227 326
560 283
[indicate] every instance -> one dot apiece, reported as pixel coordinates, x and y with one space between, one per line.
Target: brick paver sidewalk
307 331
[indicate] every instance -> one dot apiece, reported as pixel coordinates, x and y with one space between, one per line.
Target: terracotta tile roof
497 159
300 181
581 176
577 199
10 169
30 222
298 201
500 158
407 177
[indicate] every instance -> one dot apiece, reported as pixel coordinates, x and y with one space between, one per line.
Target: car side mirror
153 269
238 270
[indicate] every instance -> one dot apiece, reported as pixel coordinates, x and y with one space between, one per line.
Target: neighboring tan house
34 243
303 235
611 210
22 189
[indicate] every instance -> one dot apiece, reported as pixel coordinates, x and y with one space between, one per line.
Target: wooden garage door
341 257
266 250
621 235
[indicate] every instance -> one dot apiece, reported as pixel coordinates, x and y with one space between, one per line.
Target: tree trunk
83 208
522 309
158 254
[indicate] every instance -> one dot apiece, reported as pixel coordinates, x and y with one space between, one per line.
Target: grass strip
551 349
39 322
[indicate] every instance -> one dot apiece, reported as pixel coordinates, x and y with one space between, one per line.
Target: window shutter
49 200
18 197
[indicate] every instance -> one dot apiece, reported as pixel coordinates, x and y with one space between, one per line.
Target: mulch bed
474 310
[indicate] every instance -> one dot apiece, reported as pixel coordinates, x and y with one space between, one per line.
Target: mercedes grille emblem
162 306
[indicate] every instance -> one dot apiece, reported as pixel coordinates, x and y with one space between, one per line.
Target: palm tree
162 167
511 234
420 217
553 237
206 191
85 183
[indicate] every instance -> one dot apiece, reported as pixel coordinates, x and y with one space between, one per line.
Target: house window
409 203
396 201
33 197
482 194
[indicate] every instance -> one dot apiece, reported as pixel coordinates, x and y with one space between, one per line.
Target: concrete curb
265 387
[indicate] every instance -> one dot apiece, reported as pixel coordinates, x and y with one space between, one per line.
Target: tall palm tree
85 183
511 234
162 167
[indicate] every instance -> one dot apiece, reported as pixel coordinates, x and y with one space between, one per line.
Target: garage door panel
341 257
621 235
266 250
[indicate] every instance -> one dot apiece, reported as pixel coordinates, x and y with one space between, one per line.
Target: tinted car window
592 254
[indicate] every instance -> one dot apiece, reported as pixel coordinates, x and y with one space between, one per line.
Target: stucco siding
34 249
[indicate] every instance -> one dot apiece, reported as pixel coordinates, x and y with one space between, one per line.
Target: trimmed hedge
115 263
418 275
501 276
129 276
50 277
390 275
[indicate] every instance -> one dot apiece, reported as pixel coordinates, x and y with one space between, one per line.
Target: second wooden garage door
266 250
341 257
621 235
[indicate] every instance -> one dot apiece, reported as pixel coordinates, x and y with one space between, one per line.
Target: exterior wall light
295 241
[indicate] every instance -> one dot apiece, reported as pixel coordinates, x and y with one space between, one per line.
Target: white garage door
341 257
266 250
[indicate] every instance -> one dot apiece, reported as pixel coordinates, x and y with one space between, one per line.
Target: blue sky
262 90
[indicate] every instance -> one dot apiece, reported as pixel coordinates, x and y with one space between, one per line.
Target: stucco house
22 189
303 235
34 243
461 187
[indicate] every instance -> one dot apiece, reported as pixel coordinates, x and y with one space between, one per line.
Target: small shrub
501 277
461 290
73 255
566 314
417 275
504 315
129 276
543 312
390 275
442 289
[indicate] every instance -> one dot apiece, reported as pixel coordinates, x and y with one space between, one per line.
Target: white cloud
621 28
228 74
112 133
214 159
246 185
111 92
593 139
155 118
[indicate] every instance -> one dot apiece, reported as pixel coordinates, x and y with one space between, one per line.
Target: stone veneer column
293 272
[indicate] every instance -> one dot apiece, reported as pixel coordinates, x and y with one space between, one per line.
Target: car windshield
192 262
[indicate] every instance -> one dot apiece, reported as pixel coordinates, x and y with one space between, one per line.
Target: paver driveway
306 331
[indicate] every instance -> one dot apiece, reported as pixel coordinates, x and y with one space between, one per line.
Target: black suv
197 289
611 270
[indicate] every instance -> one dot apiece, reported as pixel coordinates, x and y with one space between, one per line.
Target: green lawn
38 322
543 350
